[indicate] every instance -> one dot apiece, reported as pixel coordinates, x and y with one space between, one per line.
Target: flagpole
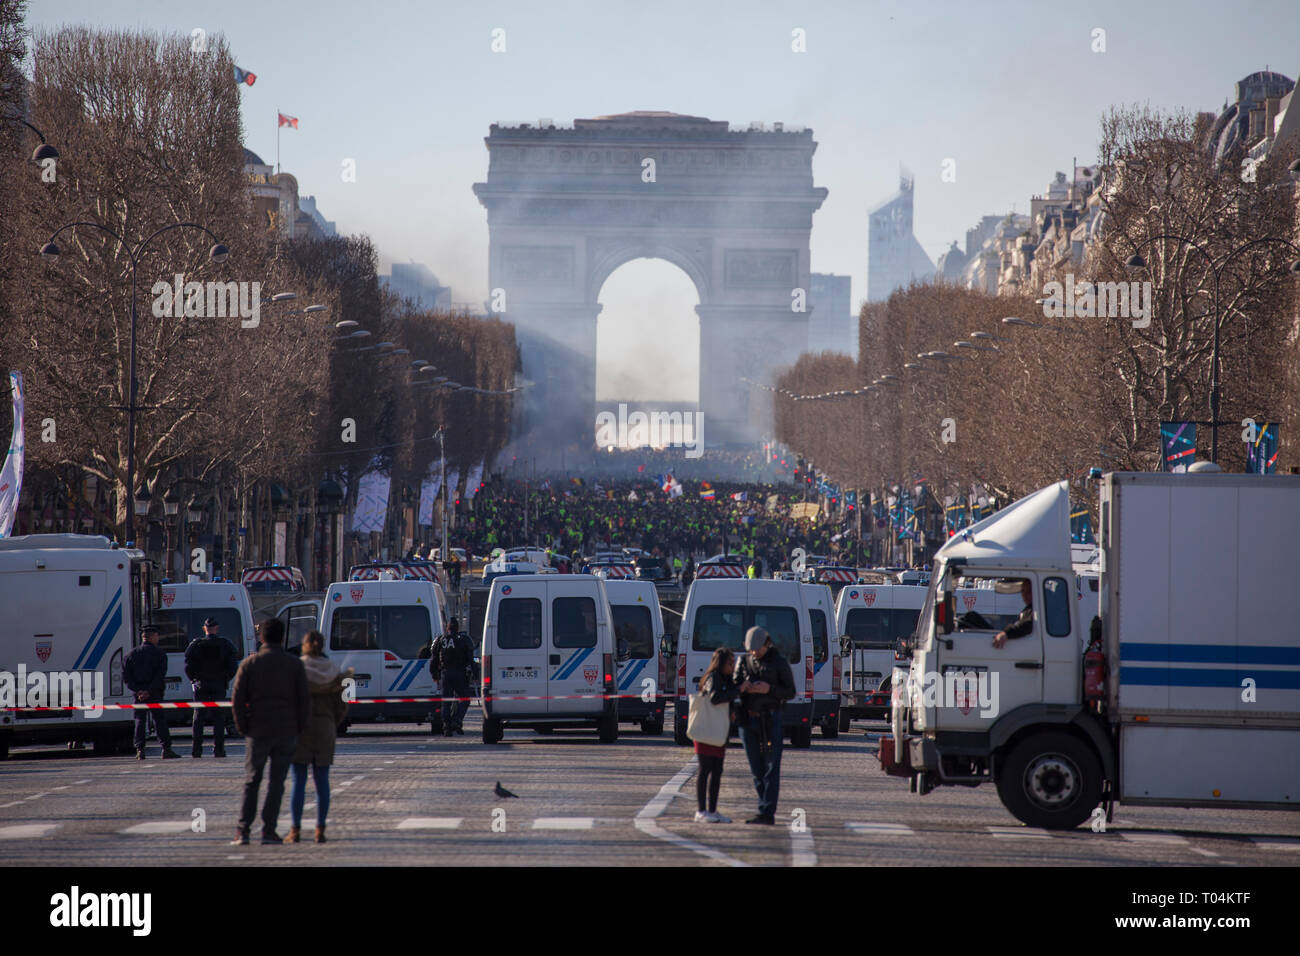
277 140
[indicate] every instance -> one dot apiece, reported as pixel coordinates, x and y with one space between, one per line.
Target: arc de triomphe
568 206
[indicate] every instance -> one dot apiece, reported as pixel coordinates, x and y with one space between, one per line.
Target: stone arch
732 209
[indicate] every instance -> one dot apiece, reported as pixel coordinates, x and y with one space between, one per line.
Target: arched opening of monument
648 343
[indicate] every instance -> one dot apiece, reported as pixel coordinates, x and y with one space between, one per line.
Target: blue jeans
762 739
321 777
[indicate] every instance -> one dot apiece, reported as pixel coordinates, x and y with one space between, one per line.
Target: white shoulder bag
708 723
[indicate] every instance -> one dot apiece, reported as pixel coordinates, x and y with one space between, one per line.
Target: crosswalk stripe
1161 839
563 823
158 826
802 851
880 829
1276 843
1018 833
26 831
430 823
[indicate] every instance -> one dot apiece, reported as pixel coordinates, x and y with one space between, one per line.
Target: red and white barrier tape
196 704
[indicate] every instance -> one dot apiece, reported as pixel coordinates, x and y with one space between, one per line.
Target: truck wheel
1050 780
844 721
831 729
608 729
679 733
801 737
492 731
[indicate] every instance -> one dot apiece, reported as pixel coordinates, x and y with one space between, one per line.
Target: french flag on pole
245 76
288 120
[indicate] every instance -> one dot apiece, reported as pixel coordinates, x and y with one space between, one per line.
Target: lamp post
1135 263
218 254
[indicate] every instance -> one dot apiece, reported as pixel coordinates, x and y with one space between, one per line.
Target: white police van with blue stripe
548 655
72 608
182 609
383 630
638 634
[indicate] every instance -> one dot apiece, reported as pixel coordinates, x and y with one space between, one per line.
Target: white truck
1189 695
72 607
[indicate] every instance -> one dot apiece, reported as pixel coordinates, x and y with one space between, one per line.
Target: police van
827 662
548 655
871 619
638 634
718 613
182 609
383 630
73 606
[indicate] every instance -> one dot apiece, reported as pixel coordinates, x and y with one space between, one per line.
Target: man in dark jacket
145 673
453 658
759 721
210 662
1023 625
271 708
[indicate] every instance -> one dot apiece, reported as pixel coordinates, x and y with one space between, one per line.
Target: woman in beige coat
316 742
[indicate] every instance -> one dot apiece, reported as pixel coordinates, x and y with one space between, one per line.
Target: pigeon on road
501 791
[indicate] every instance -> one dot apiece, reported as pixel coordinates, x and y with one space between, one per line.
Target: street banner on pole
11 477
1177 445
429 489
372 502
1261 454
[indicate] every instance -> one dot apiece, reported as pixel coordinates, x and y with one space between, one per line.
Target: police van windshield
403 629
633 631
880 628
725 626
179 626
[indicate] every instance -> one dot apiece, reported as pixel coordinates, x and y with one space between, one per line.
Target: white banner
429 489
11 478
372 502
472 481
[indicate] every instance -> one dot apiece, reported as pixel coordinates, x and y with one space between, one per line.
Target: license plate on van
518 673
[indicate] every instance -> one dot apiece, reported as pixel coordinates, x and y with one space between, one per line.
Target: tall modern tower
894 257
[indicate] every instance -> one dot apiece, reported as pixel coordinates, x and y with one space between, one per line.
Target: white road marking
1160 839
26 831
431 823
802 852
1276 843
158 826
6 806
1018 833
880 829
37 796
1197 849
235 856
645 819
563 823
77 783
66 786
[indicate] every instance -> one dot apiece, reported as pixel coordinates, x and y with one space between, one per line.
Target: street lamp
1135 263
45 150
219 253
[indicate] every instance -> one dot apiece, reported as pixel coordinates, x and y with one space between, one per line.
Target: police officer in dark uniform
452 660
145 673
210 663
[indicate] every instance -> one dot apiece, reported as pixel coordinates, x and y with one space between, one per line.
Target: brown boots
320 834
293 835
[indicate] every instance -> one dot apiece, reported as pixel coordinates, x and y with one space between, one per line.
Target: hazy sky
1010 90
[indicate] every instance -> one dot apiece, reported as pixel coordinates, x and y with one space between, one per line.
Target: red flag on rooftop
287 120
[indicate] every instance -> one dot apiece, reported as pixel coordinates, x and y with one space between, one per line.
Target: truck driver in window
1024 623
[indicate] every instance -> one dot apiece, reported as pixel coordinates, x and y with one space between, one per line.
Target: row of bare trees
1022 404
149 136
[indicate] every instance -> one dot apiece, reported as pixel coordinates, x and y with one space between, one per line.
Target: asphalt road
403 797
